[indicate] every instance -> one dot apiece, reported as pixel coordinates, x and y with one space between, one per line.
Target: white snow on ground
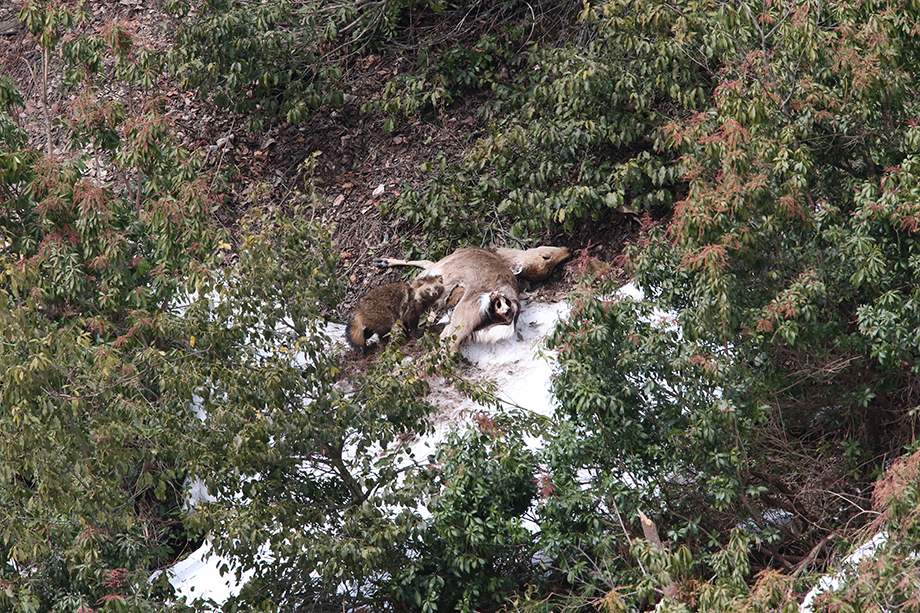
829 583
522 370
519 368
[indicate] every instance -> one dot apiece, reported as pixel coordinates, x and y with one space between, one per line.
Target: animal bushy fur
379 310
482 287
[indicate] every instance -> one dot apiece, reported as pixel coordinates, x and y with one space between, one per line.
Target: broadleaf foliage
747 403
763 390
91 476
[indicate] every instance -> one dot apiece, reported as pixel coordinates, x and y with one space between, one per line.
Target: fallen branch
651 535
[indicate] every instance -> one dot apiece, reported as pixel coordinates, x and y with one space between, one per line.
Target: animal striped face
498 313
502 310
427 290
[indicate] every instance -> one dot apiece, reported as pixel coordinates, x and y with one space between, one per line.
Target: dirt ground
359 166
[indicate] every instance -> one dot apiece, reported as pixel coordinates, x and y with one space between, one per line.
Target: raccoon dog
482 287
379 310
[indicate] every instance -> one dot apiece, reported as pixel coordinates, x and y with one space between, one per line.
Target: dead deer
533 265
482 287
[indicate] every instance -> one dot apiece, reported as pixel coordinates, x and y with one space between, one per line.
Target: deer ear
516 268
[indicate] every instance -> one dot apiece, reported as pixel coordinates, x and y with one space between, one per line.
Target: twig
811 557
45 60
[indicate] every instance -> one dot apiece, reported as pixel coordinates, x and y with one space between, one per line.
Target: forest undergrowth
751 168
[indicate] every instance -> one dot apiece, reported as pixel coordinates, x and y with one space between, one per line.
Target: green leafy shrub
254 57
455 70
285 59
408 95
788 276
581 132
312 485
475 550
653 423
91 476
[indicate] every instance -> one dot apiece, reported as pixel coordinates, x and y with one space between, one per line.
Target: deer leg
389 262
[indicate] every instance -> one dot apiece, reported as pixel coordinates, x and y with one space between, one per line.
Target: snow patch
829 583
519 367
203 575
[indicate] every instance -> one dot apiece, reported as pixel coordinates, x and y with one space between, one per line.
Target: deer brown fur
379 310
482 287
535 264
